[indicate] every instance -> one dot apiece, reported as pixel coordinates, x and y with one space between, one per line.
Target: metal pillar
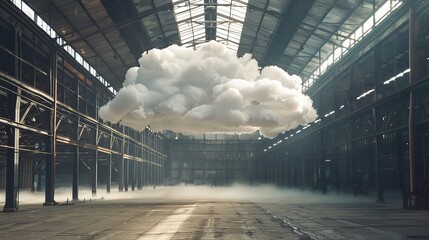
336 164
51 161
323 172
411 103
303 172
151 174
110 165
144 174
162 169
126 173
94 173
50 178
159 174
133 175
378 159
353 159
12 162
76 160
139 175
109 173
121 163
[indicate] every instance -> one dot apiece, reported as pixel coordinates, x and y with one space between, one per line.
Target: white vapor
192 193
208 90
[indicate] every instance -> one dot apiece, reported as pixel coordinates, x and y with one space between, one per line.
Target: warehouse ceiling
111 35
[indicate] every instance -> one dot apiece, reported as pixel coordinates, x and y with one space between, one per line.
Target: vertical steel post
133 175
110 165
121 162
411 102
323 174
127 168
139 175
12 161
51 161
378 158
94 164
322 163
109 173
76 160
126 173
354 168
94 173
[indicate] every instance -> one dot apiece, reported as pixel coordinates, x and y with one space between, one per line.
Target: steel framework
372 132
49 121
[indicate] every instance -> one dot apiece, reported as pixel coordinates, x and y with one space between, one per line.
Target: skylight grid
359 33
233 14
190 16
60 41
222 33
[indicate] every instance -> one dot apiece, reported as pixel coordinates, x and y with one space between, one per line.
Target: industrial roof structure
303 37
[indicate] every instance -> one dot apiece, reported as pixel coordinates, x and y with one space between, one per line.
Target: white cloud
208 90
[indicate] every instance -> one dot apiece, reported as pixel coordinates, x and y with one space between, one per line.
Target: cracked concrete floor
133 219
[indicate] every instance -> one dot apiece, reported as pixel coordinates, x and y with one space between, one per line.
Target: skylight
374 20
192 23
60 41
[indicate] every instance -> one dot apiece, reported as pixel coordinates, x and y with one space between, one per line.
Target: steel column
378 158
411 103
336 165
94 173
144 174
12 161
110 165
76 160
303 172
322 165
51 161
353 168
139 175
126 173
109 173
161 167
121 162
133 175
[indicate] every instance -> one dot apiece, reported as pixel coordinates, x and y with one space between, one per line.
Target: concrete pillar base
50 203
14 209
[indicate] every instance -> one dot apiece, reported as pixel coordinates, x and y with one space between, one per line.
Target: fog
208 90
191 193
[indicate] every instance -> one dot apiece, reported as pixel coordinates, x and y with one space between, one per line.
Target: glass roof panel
192 24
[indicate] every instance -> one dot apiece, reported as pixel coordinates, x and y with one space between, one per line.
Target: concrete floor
136 219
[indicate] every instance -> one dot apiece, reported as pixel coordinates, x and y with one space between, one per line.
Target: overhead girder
124 13
294 13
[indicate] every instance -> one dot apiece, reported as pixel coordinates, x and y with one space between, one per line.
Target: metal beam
87 43
94 23
294 13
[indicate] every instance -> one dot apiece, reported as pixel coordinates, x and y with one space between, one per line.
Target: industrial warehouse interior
214 119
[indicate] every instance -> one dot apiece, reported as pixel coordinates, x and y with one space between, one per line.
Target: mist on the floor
192 193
